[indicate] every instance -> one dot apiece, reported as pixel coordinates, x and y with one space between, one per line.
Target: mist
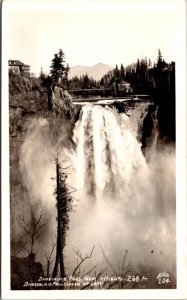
124 200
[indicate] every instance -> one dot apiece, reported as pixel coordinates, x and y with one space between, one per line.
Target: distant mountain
97 71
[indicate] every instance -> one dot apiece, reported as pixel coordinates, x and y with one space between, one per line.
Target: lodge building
19 68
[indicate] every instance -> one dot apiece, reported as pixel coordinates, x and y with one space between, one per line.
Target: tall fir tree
58 70
64 206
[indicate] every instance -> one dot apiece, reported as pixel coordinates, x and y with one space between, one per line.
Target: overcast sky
90 31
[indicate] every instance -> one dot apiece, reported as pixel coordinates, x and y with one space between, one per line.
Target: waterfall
109 161
125 202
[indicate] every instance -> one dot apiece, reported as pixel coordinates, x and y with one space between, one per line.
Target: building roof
13 62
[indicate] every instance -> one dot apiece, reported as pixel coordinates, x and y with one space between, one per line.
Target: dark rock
20 269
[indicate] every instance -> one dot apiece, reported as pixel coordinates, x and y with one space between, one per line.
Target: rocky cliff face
28 101
25 97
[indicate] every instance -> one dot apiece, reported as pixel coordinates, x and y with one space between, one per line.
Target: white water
124 202
109 159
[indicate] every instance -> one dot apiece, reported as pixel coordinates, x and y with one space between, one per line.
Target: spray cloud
125 202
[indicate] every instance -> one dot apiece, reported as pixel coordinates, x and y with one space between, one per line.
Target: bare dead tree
122 274
19 248
77 272
107 260
81 261
49 260
97 276
34 228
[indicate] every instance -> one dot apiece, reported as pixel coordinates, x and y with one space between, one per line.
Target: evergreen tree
102 81
85 83
64 206
122 71
46 80
138 69
58 70
161 64
42 75
116 74
149 63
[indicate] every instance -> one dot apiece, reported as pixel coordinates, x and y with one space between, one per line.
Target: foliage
64 206
58 70
158 80
45 80
64 202
82 82
20 84
143 77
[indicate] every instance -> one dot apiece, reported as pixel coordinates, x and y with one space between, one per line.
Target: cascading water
109 158
122 203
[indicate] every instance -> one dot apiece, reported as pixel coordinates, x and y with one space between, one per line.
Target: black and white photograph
94 189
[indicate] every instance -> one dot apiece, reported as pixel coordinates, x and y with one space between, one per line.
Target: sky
89 32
